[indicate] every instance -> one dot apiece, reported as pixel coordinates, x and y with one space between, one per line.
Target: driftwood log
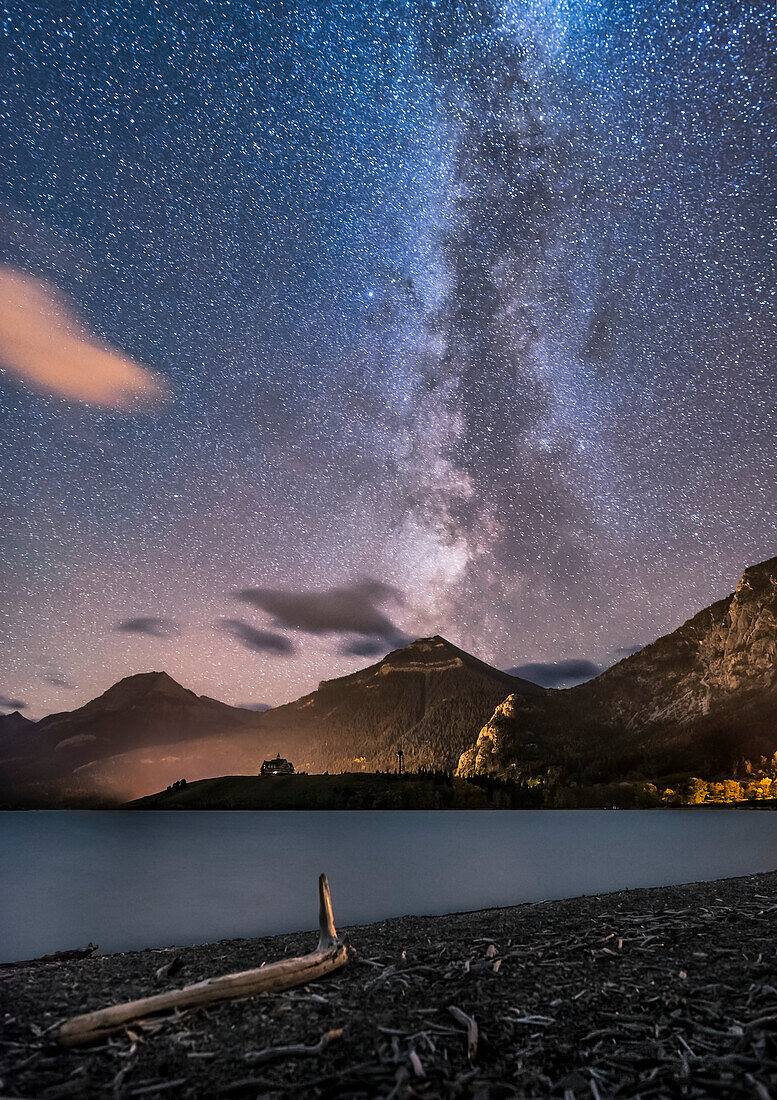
330 954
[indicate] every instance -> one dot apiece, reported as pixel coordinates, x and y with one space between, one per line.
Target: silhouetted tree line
433 775
591 788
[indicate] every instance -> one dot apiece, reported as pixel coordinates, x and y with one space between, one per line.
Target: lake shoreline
650 991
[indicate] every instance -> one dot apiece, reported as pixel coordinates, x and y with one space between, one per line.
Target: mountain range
147 731
700 701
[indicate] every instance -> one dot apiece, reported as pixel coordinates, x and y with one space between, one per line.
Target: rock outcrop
703 699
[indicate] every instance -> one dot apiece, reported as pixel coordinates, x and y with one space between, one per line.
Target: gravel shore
668 992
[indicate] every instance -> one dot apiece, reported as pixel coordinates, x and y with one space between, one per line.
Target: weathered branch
272 978
472 1030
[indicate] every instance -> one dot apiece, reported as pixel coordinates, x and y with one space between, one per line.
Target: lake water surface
129 880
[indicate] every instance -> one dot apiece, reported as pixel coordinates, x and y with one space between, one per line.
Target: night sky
326 326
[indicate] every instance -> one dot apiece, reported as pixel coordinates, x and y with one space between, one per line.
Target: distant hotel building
278 766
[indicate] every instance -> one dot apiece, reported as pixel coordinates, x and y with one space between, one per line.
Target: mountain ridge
147 730
14 722
702 697
421 697
701 700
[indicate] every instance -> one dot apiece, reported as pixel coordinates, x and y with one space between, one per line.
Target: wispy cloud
151 625
44 345
373 647
10 702
260 641
354 609
57 681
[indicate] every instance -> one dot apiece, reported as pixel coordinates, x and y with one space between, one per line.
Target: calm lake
131 880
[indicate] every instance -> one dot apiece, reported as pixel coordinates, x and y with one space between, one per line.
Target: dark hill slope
348 791
702 700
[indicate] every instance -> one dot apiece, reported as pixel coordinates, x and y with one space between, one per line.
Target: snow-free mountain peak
14 722
702 699
141 686
434 654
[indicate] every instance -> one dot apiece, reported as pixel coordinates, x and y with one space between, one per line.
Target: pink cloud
44 345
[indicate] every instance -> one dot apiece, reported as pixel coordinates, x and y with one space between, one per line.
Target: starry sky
328 325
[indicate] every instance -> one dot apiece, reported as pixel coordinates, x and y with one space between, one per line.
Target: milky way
459 318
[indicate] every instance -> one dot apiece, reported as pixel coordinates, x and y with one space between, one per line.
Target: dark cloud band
10 702
150 625
349 609
259 641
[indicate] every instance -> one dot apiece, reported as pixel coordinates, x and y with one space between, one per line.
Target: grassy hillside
349 791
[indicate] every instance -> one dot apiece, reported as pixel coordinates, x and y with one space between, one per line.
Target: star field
463 311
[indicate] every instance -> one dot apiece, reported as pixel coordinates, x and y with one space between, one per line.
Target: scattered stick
169 969
415 1062
272 978
472 1030
160 1086
295 1050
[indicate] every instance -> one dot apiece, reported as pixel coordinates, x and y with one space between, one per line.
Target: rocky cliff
703 699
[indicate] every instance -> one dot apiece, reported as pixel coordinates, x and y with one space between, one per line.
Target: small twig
294 1050
161 1086
415 1062
58 956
